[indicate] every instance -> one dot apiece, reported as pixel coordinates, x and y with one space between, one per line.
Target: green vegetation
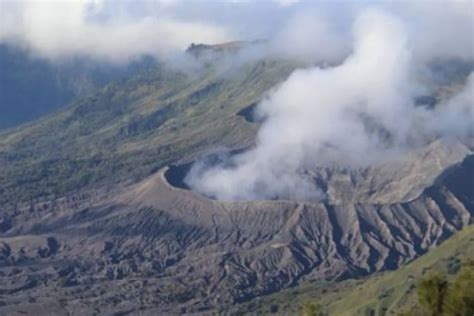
127 130
431 292
460 297
439 297
312 309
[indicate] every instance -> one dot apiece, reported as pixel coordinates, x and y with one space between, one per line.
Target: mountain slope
395 291
89 222
380 294
180 252
129 129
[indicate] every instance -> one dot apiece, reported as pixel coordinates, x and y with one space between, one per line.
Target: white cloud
312 30
63 28
310 36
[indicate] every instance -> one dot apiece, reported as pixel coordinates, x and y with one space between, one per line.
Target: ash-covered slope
155 248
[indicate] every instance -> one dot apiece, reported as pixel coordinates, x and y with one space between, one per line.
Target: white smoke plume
309 36
455 116
321 116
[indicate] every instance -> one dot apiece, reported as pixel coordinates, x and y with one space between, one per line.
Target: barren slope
163 249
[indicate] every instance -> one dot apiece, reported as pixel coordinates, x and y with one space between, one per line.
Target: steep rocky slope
386 293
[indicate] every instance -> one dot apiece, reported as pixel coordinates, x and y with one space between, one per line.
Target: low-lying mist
359 112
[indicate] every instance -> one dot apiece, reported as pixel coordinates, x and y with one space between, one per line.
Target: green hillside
129 129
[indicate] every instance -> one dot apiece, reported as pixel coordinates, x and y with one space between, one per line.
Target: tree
460 296
432 292
312 309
